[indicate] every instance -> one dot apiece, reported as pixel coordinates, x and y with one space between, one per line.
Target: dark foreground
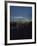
20 31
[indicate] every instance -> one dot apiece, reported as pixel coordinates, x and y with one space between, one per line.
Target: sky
18 12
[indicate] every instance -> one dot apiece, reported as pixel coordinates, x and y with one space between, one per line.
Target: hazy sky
20 12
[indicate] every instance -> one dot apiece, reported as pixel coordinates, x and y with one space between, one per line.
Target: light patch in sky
22 13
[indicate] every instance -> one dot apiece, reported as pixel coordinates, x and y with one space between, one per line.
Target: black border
6 21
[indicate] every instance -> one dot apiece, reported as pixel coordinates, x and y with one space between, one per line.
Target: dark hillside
20 30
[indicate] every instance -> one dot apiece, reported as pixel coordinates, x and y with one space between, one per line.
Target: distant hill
20 20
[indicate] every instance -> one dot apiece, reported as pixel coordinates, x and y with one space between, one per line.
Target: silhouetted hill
20 30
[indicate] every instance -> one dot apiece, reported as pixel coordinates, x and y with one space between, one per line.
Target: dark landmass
20 30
